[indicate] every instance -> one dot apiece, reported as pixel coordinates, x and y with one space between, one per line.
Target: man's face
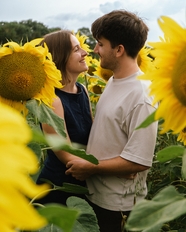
106 52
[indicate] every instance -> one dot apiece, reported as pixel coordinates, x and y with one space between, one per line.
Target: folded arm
82 169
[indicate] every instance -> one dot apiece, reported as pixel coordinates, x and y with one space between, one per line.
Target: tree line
26 30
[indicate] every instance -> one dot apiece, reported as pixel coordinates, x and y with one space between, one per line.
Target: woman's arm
58 109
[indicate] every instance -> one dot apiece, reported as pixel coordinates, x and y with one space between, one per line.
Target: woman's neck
70 88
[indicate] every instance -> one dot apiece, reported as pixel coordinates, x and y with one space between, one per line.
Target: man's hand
80 169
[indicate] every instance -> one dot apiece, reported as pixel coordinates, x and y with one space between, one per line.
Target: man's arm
82 169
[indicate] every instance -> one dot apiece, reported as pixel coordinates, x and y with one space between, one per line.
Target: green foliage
59 215
58 143
164 207
45 114
78 216
170 153
87 220
149 216
23 31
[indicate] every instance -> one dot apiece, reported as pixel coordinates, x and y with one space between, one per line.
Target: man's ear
120 50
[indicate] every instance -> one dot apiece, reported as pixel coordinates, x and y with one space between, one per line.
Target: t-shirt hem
109 207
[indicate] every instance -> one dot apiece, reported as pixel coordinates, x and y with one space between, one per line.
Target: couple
124 154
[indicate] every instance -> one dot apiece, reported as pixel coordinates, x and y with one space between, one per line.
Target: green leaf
39 137
45 114
54 141
60 216
183 168
149 216
68 187
73 188
58 143
150 119
49 228
87 220
170 153
36 148
101 83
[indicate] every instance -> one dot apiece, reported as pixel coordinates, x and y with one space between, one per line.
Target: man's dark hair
121 27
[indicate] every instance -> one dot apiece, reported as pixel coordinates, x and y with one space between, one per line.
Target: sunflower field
26 101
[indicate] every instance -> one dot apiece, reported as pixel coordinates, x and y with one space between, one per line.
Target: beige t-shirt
123 105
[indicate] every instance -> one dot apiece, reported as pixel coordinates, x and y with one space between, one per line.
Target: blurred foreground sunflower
169 80
17 161
27 72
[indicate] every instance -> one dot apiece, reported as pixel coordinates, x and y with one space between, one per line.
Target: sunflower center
21 76
106 74
97 89
179 77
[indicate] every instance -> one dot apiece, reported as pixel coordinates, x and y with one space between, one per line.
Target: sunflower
82 40
145 62
96 82
182 136
27 72
169 80
16 162
95 90
93 63
103 73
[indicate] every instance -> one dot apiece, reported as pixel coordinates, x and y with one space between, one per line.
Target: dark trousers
110 221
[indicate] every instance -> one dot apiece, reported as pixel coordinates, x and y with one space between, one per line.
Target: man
121 150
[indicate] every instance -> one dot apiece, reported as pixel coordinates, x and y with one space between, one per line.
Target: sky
75 14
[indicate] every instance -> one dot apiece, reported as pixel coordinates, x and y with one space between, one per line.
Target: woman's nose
84 53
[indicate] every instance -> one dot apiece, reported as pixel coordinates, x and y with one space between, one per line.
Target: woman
72 105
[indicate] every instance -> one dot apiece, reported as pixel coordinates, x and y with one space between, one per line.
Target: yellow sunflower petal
14 46
36 41
5 51
17 161
182 136
173 30
145 62
82 39
26 217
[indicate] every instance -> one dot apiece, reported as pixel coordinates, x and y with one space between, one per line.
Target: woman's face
76 62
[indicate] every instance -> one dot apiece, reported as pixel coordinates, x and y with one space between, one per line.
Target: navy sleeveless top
78 123
77 114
